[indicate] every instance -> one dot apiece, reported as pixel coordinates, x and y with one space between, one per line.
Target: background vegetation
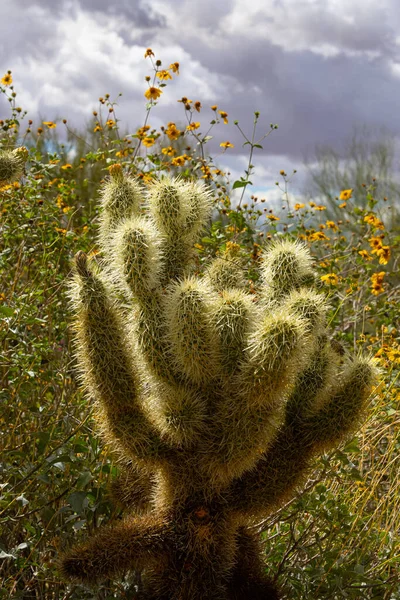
339 538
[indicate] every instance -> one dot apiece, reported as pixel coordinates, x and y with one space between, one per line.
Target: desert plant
216 398
11 164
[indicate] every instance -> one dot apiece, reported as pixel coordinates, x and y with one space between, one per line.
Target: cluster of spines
11 164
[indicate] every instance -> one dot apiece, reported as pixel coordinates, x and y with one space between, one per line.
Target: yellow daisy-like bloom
332 225
377 283
197 105
7 79
148 142
317 236
393 355
384 255
164 75
224 116
153 93
178 161
97 128
320 207
50 124
169 151
298 206
214 107
375 243
193 126
66 167
174 67
345 194
374 222
273 218
172 131
110 123
149 52
226 145
141 132
364 254
330 279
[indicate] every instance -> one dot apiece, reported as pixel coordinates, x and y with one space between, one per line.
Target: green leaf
6 311
78 501
239 184
84 479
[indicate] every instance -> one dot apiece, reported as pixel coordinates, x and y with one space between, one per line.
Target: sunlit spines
233 312
309 306
121 197
194 341
168 206
104 360
286 266
137 255
342 410
275 354
11 164
199 202
179 412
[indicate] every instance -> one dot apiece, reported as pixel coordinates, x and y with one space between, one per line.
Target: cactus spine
11 164
216 398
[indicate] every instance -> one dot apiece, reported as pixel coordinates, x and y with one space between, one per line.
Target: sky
317 68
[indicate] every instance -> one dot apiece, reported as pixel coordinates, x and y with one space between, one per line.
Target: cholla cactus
11 164
216 398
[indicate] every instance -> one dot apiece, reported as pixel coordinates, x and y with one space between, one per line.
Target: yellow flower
66 167
110 123
393 354
172 131
224 115
174 67
377 283
376 244
345 194
149 52
226 145
141 132
374 222
50 124
384 255
193 126
163 75
7 79
320 207
97 128
332 225
178 161
317 236
273 218
298 206
169 151
148 141
214 107
330 279
364 254
343 205
197 105
153 93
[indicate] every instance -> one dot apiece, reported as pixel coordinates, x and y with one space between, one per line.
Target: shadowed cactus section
11 164
216 398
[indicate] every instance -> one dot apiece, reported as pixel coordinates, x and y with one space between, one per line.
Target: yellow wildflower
298 206
224 116
226 145
330 279
148 141
332 225
273 218
110 123
317 236
345 194
149 52
214 107
169 151
7 79
343 205
377 283
153 93
374 222
163 75
384 255
178 161
66 167
174 67
393 354
172 131
97 128
50 124
320 207
197 105
364 254
193 126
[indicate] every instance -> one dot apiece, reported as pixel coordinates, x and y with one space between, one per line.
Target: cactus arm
107 367
135 543
11 164
286 463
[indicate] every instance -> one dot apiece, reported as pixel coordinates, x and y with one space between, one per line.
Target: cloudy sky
318 68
